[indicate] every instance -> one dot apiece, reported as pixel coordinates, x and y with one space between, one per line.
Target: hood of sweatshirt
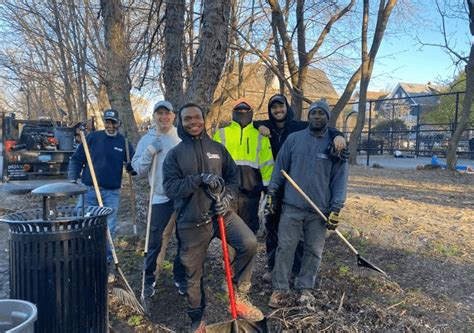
290 114
185 136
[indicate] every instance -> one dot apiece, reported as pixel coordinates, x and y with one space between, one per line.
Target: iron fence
419 125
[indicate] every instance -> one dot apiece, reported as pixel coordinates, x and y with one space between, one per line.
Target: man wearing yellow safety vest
252 153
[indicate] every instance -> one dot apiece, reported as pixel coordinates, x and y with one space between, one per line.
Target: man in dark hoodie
279 125
192 168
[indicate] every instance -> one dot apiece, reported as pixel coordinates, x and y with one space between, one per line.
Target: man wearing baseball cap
155 144
306 157
108 154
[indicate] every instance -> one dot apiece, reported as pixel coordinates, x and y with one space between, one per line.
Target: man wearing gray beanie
306 158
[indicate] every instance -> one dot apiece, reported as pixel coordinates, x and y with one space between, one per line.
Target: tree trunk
117 80
174 37
345 97
211 54
364 83
451 157
368 61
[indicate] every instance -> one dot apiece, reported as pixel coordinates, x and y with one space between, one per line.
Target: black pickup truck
35 149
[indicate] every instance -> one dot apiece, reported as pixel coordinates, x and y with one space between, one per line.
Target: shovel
361 261
235 325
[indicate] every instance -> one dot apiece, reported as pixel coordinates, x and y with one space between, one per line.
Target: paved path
390 162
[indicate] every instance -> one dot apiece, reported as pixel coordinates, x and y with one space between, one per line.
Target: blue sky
401 57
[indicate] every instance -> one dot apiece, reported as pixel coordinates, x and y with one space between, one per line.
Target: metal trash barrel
17 316
58 261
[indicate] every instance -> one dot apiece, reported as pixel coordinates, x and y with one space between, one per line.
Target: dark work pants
247 209
271 242
160 217
194 244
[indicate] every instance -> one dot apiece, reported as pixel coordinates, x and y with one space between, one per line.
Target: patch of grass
449 250
167 266
328 256
134 320
344 270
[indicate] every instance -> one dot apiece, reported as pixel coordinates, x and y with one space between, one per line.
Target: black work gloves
270 202
129 169
213 182
335 155
333 220
223 206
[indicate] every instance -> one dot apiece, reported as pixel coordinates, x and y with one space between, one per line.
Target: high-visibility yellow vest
248 147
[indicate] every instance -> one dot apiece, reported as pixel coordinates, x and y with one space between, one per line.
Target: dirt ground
417 225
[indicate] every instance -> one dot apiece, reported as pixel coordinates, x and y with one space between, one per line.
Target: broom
121 287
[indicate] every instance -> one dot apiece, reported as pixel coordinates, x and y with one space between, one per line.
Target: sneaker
306 297
267 277
278 299
182 290
149 289
111 273
198 326
247 310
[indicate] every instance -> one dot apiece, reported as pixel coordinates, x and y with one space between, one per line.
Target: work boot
246 309
306 297
279 299
198 326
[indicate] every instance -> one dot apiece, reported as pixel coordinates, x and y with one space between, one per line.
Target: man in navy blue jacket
108 154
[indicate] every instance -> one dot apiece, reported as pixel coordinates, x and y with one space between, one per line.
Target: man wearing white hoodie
157 142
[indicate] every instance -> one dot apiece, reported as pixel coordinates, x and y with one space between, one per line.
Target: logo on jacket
213 156
119 149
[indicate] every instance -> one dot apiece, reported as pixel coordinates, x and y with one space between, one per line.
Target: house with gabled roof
258 84
408 101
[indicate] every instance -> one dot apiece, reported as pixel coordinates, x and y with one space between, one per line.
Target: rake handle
97 192
228 271
316 208
132 191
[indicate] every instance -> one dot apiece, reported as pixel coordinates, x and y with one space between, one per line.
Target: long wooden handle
133 202
150 203
91 169
97 192
316 208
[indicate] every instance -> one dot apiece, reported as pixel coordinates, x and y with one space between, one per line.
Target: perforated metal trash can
60 265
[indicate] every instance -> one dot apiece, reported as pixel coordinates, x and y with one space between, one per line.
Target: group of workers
242 163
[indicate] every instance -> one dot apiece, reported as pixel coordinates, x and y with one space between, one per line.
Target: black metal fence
419 125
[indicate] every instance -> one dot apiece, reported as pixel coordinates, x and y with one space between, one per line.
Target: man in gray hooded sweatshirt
156 144
325 184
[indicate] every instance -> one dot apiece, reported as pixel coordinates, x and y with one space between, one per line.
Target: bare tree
458 59
174 39
117 77
299 68
208 61
368 61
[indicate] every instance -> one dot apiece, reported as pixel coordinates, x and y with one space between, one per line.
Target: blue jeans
295 222
110 198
